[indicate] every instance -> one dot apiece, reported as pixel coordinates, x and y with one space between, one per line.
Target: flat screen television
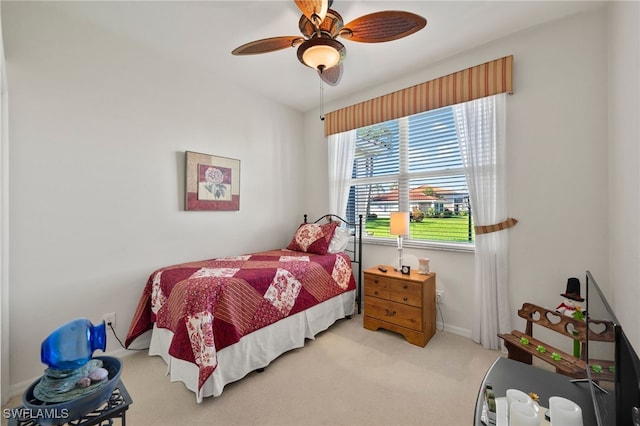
613 367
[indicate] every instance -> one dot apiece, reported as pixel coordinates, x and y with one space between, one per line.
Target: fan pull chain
321 100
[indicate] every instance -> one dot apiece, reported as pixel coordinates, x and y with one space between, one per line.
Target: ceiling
204 33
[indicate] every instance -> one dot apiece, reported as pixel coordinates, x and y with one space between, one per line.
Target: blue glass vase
71 345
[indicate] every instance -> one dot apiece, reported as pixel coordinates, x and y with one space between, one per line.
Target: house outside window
412 164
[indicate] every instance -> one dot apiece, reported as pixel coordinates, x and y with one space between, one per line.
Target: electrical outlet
110 319
439 295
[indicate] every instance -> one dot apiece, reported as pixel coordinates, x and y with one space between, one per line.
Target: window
412 164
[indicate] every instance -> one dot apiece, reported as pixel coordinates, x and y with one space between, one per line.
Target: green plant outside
453 229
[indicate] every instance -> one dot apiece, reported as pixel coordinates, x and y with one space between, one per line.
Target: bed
214 321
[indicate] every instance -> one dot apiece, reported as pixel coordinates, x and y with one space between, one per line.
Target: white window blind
412 164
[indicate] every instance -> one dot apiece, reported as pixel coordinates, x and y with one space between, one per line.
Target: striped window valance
476 82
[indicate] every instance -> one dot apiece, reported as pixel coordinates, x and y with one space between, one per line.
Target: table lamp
399 225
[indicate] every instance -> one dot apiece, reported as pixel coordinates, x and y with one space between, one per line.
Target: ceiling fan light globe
321 53
321 56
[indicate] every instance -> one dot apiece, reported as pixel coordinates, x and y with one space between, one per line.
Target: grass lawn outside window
450 229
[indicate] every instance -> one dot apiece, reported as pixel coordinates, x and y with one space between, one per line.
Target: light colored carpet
346 376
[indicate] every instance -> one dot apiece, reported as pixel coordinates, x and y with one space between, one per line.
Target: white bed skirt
255 350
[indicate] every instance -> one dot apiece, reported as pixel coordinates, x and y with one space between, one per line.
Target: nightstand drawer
375 290
375 281
395 313
395 290
406 292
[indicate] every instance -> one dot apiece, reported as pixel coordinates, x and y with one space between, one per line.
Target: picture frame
211 182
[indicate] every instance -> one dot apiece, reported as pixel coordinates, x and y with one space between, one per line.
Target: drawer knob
389 313
405 298
405 286
375 292
375 281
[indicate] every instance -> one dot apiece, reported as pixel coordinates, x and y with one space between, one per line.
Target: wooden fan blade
332 75
267 45
383 26
309 8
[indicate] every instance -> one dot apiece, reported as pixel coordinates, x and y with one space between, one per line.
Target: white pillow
339 241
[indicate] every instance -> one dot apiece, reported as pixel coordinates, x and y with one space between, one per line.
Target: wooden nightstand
405 304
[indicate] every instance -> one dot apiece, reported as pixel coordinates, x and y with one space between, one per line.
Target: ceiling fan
320 27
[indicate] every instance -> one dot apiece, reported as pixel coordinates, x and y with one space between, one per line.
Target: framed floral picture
212 183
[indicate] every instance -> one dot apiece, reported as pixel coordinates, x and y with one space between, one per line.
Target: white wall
98 130
624 146
557 157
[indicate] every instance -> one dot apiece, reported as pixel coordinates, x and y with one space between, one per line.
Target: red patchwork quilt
211 304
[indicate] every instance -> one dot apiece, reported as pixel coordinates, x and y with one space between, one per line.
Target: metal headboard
356 250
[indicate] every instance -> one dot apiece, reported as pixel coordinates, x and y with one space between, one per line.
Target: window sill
430 245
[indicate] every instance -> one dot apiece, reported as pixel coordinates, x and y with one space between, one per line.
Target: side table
509 374
402 303
115 407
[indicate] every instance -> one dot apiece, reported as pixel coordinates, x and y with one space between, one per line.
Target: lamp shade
399 223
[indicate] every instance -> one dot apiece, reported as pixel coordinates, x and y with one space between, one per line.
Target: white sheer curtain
341 151
481 135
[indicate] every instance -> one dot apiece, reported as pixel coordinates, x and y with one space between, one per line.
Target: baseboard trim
454 330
